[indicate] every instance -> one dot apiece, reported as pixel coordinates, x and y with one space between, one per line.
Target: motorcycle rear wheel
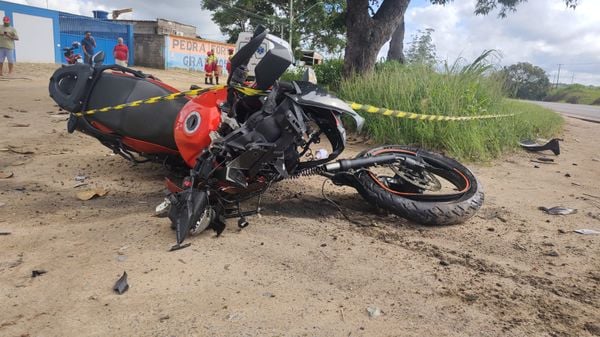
406 195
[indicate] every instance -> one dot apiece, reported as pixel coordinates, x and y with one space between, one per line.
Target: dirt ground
300 269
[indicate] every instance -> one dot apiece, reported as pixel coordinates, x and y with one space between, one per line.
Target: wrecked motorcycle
235 141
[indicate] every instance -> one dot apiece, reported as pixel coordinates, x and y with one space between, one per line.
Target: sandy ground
300 269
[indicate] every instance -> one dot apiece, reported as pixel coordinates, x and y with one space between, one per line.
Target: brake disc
422 179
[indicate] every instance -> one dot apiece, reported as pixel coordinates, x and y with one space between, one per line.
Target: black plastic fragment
179 246
552 145
121 286
36 273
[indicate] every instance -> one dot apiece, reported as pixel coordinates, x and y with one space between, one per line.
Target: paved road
586 112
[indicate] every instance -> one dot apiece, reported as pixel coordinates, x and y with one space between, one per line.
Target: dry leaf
5 174
90 194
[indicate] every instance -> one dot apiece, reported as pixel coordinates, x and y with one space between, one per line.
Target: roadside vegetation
459 89
575 94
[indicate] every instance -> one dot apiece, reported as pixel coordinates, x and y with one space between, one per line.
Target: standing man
121 53
8 36
88 43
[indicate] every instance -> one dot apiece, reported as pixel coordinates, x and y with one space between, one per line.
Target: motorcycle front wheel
438 191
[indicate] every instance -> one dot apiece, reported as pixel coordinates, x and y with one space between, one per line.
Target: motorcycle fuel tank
196 120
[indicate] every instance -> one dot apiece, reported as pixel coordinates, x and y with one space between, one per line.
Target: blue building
43 33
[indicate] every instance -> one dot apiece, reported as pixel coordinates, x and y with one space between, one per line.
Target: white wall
36 38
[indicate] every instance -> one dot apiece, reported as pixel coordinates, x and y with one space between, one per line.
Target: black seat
152 123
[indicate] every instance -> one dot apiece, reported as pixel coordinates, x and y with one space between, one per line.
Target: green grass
457 91
576 94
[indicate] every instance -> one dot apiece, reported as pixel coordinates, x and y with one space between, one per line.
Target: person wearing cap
208 67
121 53
88 44
8 36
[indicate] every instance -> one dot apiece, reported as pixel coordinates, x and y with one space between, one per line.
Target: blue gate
73 28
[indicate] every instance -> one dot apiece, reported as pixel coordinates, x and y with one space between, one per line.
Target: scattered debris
545 159
374 312
234 316
558 210
535 166
90 194
542 162
6 174
587 231
163 318
80 178
7 116
268 294
19 125
121 286
16 150
179 246
36 273
80 184
595 159
121 258
552 145
567 175
5 233
591 195
551 253
444 263
592 328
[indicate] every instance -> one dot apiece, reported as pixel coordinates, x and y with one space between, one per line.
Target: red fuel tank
198 118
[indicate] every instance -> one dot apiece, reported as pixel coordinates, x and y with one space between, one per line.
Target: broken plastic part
552 145
121 286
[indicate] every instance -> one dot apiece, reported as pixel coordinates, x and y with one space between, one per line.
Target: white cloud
542 32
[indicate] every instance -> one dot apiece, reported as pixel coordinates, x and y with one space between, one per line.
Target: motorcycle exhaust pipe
347 164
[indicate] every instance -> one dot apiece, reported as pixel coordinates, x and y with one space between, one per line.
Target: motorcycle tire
411 203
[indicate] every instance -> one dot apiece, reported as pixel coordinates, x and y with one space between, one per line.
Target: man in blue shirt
88 44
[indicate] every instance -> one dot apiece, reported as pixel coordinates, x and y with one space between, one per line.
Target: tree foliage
316 25
526 81
484 7
422 50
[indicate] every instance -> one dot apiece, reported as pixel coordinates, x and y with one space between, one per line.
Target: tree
367 30
396 51
422 49
526 81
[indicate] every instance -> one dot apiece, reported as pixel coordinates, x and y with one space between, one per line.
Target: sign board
188 53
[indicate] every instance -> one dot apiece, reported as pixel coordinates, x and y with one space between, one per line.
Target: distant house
311 57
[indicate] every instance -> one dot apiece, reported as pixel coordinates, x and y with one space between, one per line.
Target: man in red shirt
121 53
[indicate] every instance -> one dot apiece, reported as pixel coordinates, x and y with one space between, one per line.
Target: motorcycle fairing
312 95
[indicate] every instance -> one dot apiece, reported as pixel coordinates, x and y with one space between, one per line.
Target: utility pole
572 78
291 20
558 76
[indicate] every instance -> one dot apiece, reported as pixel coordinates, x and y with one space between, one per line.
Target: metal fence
73 28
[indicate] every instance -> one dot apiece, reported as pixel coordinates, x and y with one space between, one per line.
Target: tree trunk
366 35
396 51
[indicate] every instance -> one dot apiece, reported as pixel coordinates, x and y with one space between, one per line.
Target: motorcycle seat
153 123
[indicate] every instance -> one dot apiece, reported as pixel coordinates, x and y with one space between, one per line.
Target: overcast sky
542 32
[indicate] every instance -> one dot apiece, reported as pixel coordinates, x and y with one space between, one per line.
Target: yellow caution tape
411 115
194 92
254 92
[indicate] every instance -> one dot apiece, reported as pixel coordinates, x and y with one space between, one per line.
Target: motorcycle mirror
98 58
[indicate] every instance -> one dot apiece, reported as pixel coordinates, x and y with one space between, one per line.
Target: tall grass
456 90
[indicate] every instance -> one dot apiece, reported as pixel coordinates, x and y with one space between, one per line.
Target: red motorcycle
235 141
